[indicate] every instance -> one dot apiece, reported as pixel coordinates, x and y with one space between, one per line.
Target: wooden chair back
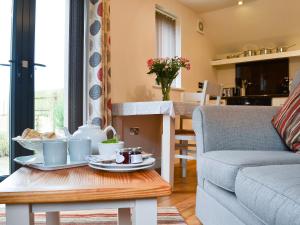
209 90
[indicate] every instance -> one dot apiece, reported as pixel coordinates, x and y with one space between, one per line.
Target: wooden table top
80 184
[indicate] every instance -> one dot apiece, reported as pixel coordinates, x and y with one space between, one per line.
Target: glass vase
165 92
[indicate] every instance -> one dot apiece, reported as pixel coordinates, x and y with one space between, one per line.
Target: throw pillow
287 121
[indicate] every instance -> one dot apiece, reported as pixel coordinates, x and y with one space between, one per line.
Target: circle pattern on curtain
99 71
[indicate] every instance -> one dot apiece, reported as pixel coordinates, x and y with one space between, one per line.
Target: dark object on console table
265 100
250 100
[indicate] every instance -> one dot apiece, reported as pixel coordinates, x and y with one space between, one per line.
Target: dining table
168 110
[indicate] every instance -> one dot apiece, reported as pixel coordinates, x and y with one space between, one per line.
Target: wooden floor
184 194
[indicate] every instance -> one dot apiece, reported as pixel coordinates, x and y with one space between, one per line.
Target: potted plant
166 70
110 147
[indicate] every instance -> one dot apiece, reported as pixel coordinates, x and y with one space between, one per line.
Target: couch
246 174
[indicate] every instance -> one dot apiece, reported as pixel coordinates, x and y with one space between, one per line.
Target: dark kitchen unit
258 82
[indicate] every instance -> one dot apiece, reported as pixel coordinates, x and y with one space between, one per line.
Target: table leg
145 212
168 149
52 218
19 215
184 162
124 216
118 125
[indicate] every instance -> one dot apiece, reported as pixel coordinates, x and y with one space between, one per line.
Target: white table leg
145 212
19 215
124 216
184 162
52 218
118 125
168 149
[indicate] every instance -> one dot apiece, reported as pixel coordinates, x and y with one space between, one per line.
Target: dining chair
187 150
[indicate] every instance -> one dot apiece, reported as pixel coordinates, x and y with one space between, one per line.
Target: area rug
166 216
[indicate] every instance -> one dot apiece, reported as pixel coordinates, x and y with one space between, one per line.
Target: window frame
76 73
177 83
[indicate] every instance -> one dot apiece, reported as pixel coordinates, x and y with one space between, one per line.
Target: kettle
92 132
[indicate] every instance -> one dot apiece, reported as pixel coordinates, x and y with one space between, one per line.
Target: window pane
165 35
51 50
5 53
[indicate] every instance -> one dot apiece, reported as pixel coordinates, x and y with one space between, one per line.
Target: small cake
49 135
33 134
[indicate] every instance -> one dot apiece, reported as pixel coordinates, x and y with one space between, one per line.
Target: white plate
118 169
99 158
34 144
27 161
145 162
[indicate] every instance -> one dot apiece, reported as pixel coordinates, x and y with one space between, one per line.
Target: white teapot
92 132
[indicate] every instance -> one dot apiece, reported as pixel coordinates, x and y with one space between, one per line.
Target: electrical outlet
134 131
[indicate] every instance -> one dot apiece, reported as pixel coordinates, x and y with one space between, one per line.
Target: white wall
133 43
256 24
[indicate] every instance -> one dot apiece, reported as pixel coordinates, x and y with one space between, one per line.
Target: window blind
165 35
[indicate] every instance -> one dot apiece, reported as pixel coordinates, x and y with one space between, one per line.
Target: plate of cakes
33 140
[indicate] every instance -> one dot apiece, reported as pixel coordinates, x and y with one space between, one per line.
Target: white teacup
79 149
55 153
109 149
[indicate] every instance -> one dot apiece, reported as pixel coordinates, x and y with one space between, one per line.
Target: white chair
186 136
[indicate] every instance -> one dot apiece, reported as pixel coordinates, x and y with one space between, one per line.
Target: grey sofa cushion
271 192
228 200
221 167
236 128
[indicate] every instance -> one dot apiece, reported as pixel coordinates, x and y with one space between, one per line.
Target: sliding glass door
33 71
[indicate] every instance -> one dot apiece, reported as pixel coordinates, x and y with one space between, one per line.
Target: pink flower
184 60
150 63
188 66
167 65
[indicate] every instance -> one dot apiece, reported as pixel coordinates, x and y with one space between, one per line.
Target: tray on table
37 162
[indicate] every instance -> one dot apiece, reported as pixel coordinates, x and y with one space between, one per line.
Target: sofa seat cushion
271 192
221 167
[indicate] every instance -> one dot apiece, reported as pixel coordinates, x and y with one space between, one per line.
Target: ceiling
202 6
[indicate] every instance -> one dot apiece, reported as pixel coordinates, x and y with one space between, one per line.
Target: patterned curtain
99 71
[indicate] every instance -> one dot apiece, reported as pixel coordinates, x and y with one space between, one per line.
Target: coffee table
134 194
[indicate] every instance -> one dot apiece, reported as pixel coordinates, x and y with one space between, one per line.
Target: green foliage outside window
49 105
4 151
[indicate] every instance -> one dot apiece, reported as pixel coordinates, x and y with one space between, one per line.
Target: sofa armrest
236 128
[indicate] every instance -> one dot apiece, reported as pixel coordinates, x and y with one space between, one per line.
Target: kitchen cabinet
263 78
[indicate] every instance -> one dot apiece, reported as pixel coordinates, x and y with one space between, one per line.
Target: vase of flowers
166 70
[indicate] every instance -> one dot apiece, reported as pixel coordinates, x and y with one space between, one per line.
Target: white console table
169 110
